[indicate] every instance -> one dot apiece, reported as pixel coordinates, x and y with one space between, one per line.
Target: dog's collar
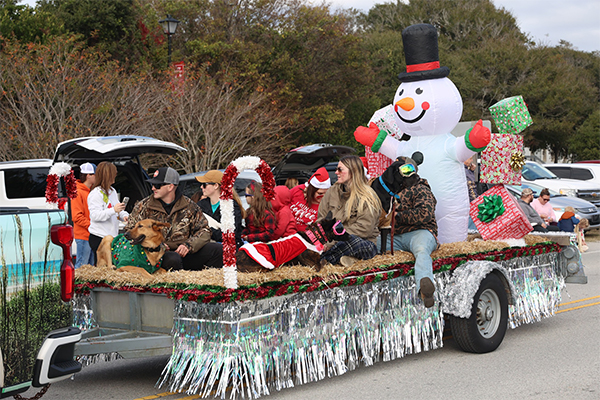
387 189
154 249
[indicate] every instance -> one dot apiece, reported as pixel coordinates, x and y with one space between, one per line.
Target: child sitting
285 224
567 221
260 219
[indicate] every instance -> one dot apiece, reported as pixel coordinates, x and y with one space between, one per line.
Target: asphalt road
557 358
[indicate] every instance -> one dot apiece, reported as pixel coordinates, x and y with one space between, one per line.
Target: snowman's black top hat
421 53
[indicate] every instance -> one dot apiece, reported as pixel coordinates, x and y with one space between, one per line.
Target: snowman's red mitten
371 137
478 137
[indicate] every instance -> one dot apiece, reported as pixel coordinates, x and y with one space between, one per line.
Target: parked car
583 208
537 173
302 162
582 172
193 189
23 184
124 152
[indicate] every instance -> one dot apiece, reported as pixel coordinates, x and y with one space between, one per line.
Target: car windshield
532 171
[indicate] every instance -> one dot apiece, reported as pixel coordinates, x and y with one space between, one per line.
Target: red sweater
302 213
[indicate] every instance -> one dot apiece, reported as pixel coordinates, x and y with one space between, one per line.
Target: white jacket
103 218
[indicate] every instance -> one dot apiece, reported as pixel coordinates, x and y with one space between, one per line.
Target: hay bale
214 276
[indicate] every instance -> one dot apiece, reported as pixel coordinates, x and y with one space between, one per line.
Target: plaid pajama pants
355 247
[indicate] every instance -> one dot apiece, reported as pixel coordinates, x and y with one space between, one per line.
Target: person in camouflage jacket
188 239
415 227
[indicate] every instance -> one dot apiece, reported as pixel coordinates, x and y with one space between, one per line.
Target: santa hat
320 179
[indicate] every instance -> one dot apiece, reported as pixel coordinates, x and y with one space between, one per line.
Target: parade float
245 335
239 335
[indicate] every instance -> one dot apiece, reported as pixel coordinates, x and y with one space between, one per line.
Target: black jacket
216 234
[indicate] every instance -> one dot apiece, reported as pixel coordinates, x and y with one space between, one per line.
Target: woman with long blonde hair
352 201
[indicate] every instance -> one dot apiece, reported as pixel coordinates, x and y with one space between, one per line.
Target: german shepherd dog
302 248
145 238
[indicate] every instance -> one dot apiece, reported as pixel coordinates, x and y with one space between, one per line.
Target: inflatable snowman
427 106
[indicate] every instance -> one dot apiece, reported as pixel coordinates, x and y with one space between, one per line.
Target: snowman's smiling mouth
410 121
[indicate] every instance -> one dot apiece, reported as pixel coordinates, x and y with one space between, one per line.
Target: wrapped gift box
499 160
377 162
511 224
511 115
385 119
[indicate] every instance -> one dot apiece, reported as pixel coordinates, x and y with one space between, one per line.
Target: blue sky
545 21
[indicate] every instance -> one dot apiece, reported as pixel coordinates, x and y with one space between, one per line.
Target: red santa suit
273 254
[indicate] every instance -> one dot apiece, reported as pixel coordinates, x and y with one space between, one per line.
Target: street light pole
169 48
169 26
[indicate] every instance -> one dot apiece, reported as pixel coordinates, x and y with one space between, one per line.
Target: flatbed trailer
249 341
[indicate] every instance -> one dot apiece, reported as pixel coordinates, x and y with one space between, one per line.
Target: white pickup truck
36 337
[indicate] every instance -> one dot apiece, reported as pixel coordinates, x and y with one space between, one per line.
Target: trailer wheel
484 330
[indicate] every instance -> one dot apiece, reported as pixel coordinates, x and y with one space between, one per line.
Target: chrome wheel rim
489 312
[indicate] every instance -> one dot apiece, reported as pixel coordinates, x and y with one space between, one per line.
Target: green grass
26 319
28 312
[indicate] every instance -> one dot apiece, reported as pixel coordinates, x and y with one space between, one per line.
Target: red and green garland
217 294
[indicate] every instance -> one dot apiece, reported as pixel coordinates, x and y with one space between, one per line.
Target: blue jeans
421 243
84 253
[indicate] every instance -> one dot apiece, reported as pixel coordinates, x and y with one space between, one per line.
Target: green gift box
511 115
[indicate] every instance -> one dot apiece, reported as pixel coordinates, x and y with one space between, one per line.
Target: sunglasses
408 170
249 195
545 199
159 185
206 183
338 169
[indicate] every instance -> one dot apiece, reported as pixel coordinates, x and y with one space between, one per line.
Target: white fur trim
320 185
259 258
246 162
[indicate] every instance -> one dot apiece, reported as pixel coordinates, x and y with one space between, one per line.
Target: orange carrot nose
406 103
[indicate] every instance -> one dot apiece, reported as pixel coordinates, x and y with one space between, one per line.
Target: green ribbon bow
491 208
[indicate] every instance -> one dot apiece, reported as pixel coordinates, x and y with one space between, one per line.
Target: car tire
484 330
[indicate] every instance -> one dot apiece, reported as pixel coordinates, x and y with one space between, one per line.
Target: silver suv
589 172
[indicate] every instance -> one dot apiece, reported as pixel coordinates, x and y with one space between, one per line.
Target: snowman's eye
419 91
400 92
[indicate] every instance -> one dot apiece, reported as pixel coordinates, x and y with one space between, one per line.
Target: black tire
484 330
